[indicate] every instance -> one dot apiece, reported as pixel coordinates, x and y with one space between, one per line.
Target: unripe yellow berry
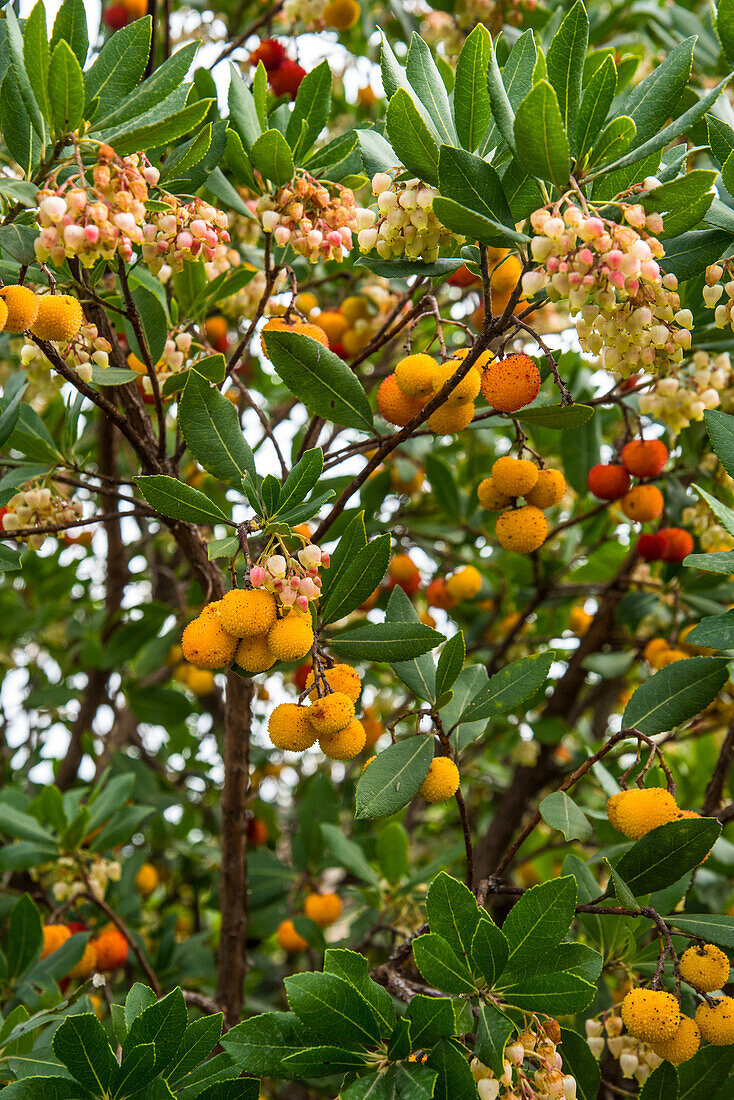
291 638
346 743
521 530
465 390
442 781
415 374
3 314
246 612
448 419
634 813
717 1021
289 728
253 655
479 364
548 489
579 620
705 967
54 936
289 939
323 909
86 965
465 583
206 643
147 879
514 477
199 680
341 14
331 713
490 497
22 306
651 1014
683 1045
59 317
341 678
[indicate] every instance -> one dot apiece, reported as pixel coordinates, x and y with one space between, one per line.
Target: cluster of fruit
654 1016
317 218
322 909
284 74
641 458
37 507
315 15
350 326
684 397
626 310
636 812
659 653
533 1066
521 529
47 316
446 592
104 952
671 544
404 224
418 378
636 1059
715 288
329 719
81 352
198 680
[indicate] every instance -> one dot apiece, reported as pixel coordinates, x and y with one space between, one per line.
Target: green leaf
510 687
319 378
712 563
653 100
36 56
710 927
714 631
119 65
25 91
25 937
540 919
411 139
352 967
472 109
546 987
431 1018
139 998
45 1088
112 376
310 112
358 580
392 851
690 254
425 79
453 912
705 1073
154 92
440 966
70 25
323 1061
348 854
559 811
454 1081
137 1071
351 542
541 142
418 674
595 104
211 428
331 1008
15 823
394 777
81 1044
720 427
386 641
581 1064
160 132
503 115
662 1084
178 501
558 417
469 224
271 156
450 663
666 853
473 183
622 892
259 1045
565 61
613 140
242 110
302 478
682 202
674 694
493 1031
162 1024
489 950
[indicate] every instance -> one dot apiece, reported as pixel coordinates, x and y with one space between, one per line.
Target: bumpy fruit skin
678 543
206 643
341 14
644 457
331 713
651 547
465 390
54 936
303 328
22 306
342 678
636 812
253 655
514 476
3 314
111 947
683 1045
442 781
608 482
245 612
521 530
345 744
706 968
490 497
415 374
448 419
395 406
147 879
323 909
548 489
289 728
289 939
651 1015
59 317
643 504
291 638
465 584
86 965
510 384
717 1021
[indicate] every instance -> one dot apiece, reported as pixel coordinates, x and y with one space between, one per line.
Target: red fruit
301 675
270 52
651 547
608 482
75 926
644 457
678 544
338 349
115 16
286 78
257 831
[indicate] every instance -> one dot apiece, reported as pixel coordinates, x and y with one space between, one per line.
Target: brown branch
720 776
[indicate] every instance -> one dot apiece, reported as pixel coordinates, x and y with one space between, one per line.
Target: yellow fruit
289 939
22 306
342 678
395 406
448 419
717 1021
206 643
655 651
465 583
548 489
147 879
490 497
253 655
521 529
479 365
355 340
54 935
291 638
323 909
651 1015
303 328
415 374
334 325
175 656
510 384
59 317
331 713
636 812
579 620
86 965
306 302
442 781
3 314
246 612
514 477
642 504
354 309
289 728
466 390
683 1045
345 744
341 14
705 967
199 680
671 656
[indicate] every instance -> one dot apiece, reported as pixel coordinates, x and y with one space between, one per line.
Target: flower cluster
66 879
636 1059
404 224
38 507
81 353
626 310
175 354
186 231
294 580
317 218
532 1067
715 289
701 521
677 400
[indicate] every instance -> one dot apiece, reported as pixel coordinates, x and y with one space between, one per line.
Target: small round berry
22 306
111 947
644 457
465 390
346 743
643 503
651 547
717 1021
514 476
510 384
465 583
289 728
289 939
404 573
341 15
678 543
651 1015
147 879
54 936
548 489
303 328
86 965
199 680
331 713
395 406
521 530
683 1045
705 967
246 612
442 781
636 812
415 374
323 909
291 638
59 317
579 620
341 678
448 419
271 52
490 497
334 325
206 643
608 482
253 655
438 595
479 364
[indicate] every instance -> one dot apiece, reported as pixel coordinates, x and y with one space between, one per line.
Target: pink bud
257 576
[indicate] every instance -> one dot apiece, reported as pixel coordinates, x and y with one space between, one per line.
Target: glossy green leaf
541 142
394 777
674 694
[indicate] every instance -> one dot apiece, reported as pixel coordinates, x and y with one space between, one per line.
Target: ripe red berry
651 547
115 16
644 457
678 544
286 78
270 52
608 482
